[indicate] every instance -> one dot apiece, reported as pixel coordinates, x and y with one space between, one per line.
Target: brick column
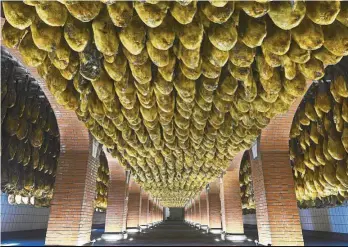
144 213
117 197
214 205
150 219
278 219
204 208
71 209
198 210
134 205
194 211
231 204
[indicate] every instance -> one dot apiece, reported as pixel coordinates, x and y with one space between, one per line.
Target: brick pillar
117 197
198 210
214 205
150 219
144 213
71 210
187 216
204 208
278 219
134 205
231 204
194 211
154 210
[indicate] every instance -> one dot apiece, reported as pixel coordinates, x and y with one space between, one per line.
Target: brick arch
76 174
276 135
73 133
278 219
116 212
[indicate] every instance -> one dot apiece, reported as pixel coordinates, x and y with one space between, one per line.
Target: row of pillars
72 210
218 208
129 207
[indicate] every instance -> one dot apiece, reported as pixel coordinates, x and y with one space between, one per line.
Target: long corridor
173 233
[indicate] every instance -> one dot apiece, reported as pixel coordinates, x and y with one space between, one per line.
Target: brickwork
231 205
214 205
276 208
74 185
277 214
144 213
71 210
204 208
134 205
117 194
198 210
194 211
150 211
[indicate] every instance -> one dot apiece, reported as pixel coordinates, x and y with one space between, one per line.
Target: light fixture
112 237
132 230
215 231
131 239
236 238
10 244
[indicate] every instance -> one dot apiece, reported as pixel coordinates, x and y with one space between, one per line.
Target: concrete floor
174 233
170 234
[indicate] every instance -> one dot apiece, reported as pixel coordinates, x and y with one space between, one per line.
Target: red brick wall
278 217
71 211
150 211
144 213
204 208
198 210
134 205
117 194
214 205
231 205
74 187
276 207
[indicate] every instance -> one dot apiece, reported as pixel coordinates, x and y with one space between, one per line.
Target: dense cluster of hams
246 186
175 89
319 139
29 138
103 177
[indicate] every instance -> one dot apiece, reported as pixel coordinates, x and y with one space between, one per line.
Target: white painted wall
22 217
325 219
317 219
25 218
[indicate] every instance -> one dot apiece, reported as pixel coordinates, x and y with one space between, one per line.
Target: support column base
205 228
215 230
143 227
133 229
113 236
235 237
